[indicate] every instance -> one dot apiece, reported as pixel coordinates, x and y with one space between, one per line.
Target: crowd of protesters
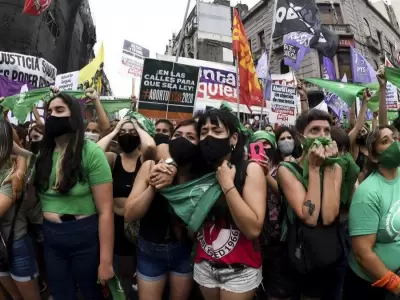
208 208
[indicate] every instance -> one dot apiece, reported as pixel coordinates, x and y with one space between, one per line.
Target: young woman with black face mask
228 259
74 184
163 247
135 144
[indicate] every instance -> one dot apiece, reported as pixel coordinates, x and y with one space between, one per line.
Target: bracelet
229 190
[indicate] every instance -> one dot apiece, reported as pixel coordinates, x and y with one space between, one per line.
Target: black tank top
123 180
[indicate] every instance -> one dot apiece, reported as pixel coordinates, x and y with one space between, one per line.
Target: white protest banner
68 81
283 106
18 67
132 60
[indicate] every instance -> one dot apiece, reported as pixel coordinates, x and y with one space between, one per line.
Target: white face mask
92 136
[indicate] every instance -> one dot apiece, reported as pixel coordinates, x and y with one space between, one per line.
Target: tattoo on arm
311 207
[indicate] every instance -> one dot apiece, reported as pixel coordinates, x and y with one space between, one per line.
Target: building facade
209 50
64 34
390 10
357 23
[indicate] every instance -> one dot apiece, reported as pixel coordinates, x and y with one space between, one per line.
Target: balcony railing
339 29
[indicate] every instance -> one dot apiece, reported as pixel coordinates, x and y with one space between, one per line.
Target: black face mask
57 126
183 151
35 147
128 142
214 150
361 140
160 138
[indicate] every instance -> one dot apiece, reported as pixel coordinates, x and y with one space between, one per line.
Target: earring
233 147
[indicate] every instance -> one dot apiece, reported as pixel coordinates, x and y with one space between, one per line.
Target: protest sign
168 90
67 81
38 72
283 106
217 84
132 59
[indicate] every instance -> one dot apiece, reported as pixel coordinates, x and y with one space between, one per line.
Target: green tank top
79 201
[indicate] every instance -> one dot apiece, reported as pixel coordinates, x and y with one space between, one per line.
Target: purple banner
362 70
11 88
337 106
296 45
329 69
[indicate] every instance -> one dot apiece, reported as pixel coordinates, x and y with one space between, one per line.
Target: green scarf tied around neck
349 167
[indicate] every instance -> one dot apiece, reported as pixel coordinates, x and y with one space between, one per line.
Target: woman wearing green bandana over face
311 194
375 222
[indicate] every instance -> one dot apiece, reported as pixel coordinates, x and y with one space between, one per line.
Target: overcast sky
149 23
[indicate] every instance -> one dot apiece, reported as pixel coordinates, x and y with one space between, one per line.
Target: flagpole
182 32
237 87
269 58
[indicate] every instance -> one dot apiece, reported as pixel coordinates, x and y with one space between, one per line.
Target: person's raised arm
36 115
105 141
382 114
94 97
301 89
147 144
306 204
142 194
360 119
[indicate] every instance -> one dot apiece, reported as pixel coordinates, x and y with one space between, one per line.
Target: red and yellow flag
250 92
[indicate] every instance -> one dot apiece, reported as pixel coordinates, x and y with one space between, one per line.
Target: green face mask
309 142
390 158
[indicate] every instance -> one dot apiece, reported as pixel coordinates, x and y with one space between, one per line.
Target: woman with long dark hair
74 184
228 260
163 246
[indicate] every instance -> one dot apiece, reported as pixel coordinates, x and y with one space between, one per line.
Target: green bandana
193 200
143 122
308 143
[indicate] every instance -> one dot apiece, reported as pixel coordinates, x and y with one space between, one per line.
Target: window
330 14
391 47
52 24
379 35
367 29
261 40
251 48
344 63
284 68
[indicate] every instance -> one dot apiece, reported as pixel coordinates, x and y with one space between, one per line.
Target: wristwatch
171 162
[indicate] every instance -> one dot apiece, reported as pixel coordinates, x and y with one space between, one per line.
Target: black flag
302 15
